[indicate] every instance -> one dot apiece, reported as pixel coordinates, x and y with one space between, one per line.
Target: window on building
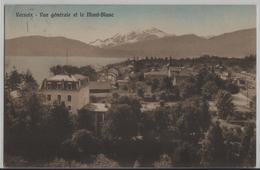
69 107
49 85
49 97
59 86
69 98
69 86
59 98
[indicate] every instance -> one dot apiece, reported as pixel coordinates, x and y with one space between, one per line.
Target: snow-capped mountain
131 37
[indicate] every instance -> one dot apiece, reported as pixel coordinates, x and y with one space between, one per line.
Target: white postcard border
123 2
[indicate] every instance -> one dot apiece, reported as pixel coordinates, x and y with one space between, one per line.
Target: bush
224 104
231 87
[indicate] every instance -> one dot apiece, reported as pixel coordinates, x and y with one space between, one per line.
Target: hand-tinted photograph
115 86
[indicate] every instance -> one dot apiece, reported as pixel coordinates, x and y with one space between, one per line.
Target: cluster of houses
242 79
77 92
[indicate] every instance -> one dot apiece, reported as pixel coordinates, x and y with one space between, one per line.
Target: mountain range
131 37
151 42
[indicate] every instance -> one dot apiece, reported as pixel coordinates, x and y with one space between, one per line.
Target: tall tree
248 145
188 88
85 120
58 126
194 118
225 104
213 149
85 143
121 123
14 79
121 129
209 89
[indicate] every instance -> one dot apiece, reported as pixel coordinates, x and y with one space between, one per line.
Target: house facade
73 90
177 74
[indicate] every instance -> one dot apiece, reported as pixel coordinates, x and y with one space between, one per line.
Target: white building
73 90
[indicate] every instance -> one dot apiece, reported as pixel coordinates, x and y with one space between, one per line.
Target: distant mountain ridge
153 42
46 46
131 37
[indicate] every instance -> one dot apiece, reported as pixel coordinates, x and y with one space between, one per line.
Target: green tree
88 71
14 79
214 149
10 124
188 88
85 119
67 69
58 127
157 135
57 70
231 87
194 118
34 130
24 121
209 89
31 82
121 129
250 159
121 122
202 77
68 151
133 102
205 75
184 155
224 104
248 152
85 143
233 146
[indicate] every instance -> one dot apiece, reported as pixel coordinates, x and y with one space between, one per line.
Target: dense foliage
185 132
67 69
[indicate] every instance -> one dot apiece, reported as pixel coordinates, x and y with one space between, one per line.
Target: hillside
234 44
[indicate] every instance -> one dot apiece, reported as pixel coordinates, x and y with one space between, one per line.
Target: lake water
40 66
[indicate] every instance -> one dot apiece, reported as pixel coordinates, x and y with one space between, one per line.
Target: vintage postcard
129 85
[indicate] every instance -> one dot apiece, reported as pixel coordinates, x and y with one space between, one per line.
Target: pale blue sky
202 20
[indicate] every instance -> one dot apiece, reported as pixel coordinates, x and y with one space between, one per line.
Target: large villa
73 90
